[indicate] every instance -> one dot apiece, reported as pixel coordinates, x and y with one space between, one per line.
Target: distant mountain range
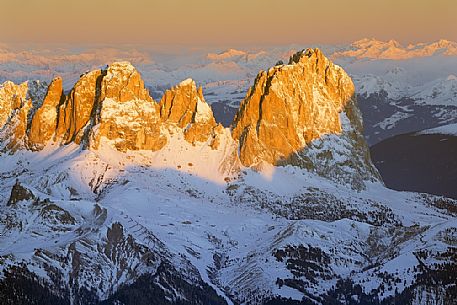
393 50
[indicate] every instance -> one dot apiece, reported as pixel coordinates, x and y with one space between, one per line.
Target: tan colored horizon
234 22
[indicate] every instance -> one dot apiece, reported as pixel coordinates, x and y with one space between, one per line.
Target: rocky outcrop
291 106
114 106
11 98
17 105
75 113
44 122
19 193
185 107
126 116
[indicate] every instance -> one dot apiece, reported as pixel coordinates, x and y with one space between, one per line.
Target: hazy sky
225 22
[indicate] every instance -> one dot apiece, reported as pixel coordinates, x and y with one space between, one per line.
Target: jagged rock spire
44 121
291 106
185 106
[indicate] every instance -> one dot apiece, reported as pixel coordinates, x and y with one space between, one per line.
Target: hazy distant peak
231 54
377 49
367 42
451 77
225 54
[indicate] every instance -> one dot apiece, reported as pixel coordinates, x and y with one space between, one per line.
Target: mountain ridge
113 106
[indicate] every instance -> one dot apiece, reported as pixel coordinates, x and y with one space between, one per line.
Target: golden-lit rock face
76 112
115 107
14 108
291 105
129 125
126 116
11 98
44 122
18 126
123 83
178 104
185 107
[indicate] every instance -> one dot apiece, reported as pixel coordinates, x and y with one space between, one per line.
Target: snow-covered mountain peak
443 43
237 56
439 92
366 42
372 42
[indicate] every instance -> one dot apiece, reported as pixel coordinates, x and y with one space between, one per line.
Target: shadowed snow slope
425 161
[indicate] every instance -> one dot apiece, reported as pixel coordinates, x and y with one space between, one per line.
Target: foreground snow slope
282 231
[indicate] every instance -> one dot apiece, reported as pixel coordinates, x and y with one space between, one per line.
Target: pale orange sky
225 22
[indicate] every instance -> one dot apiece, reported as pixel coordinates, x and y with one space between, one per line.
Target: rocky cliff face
132 120
76 112
291 105
17 106
44 121
125 115
11 98
291 108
